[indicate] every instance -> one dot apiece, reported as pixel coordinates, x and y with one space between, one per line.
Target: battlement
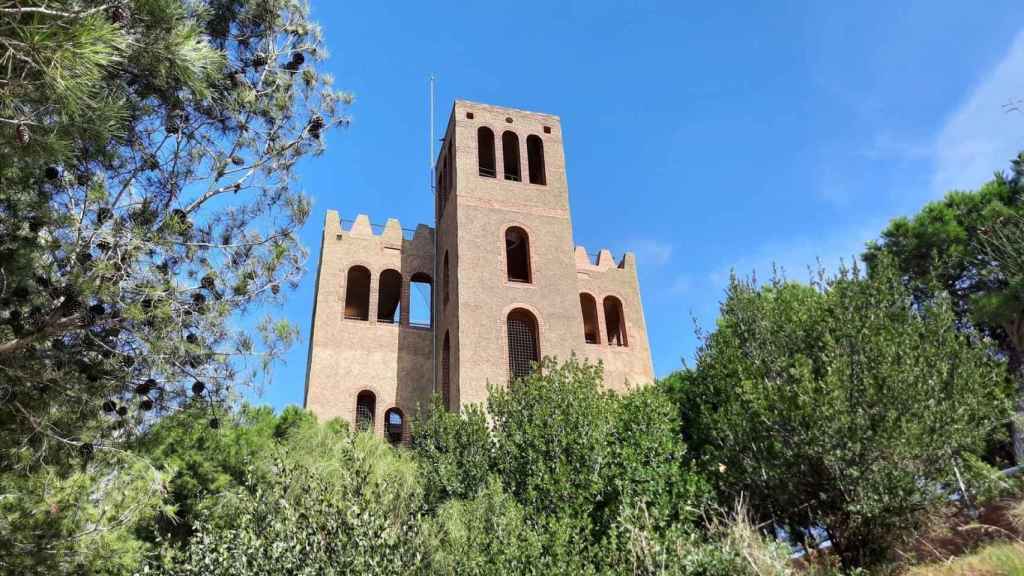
605 260
480 295
390 234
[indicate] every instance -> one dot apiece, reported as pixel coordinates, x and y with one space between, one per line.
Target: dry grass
994 560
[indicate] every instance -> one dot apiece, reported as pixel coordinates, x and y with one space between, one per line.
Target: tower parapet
510 285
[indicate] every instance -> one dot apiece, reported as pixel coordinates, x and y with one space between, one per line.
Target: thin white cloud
981 136
650 252
801 258
977 139
681 284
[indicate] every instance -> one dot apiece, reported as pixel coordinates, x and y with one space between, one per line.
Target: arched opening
510 150
517 255
535 159
614 322
394 426
357 293
523 350
591 332
447 278
366 406
446 373
420 300
485 152
389 297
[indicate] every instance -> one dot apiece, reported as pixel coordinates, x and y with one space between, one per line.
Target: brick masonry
396 362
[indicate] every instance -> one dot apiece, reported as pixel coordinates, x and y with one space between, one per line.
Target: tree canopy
840 406
962 247
147 194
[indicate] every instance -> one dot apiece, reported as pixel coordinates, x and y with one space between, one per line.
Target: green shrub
324 501
839 405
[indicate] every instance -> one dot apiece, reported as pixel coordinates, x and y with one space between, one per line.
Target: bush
326 502
454 451
839 406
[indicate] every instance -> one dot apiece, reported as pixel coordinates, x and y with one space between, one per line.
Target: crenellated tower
511 286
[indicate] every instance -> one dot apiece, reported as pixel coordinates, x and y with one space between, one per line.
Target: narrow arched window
389 297
357 293
446 373
394 426
517 255
447 278
591 333
510 150
614 321
366 407
535 159
523 350
485 152
421 296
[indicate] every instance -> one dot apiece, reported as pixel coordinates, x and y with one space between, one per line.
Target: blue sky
704 137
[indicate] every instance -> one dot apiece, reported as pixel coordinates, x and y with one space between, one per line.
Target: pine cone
119 15
22 134
259 60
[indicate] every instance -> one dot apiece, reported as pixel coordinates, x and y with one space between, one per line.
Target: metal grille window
366 404
522 343
393 425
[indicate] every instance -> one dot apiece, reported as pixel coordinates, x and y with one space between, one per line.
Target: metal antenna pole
434 317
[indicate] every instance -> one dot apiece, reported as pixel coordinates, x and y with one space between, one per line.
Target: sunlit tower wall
513 287
370 362
510 285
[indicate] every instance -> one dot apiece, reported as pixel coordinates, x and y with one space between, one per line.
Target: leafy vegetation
147 199
965 248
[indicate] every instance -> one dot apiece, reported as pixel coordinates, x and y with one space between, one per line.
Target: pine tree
147 197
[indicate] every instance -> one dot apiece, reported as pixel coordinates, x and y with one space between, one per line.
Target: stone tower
510 285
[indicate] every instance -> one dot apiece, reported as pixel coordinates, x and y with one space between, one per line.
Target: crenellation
505 291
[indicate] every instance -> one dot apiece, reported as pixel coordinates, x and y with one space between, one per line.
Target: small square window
547 129
469 115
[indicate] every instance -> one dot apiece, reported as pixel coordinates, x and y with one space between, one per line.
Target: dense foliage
147 201
840 406
147 150
963 248
147 198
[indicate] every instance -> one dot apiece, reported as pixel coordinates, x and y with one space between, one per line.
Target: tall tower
513 287
510 286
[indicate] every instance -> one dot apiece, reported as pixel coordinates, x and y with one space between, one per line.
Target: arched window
485 152
591 332
447 278
510 150
517 255
446 373
357 293
614 322
523 350
366 406
535 159
389 297
420 300
394 425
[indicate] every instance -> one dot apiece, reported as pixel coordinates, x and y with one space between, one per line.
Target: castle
511 285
